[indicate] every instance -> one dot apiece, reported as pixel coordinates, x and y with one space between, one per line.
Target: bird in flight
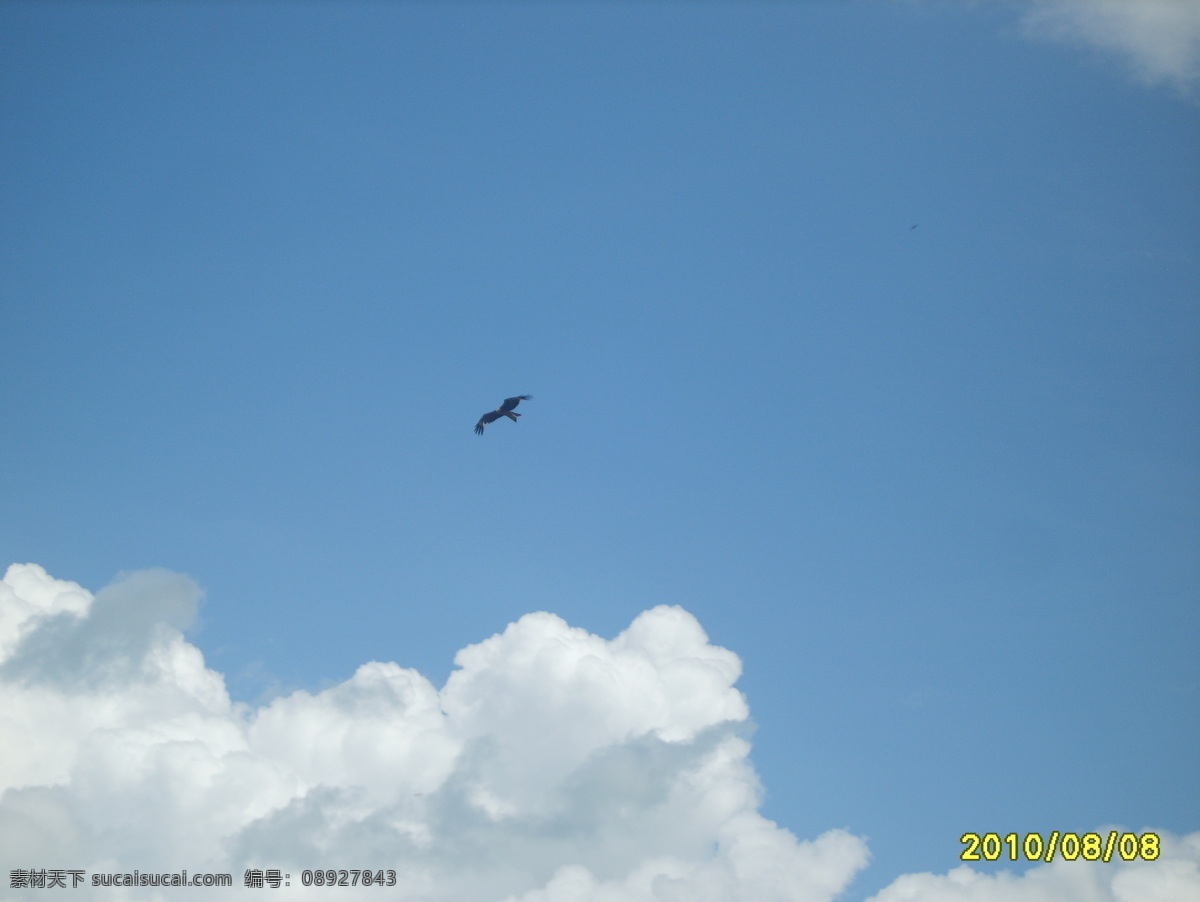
504 410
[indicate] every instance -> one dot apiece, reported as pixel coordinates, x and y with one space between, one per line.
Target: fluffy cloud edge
1158 39
553 766
1173 876
552 759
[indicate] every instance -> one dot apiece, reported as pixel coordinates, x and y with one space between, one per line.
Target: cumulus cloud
1172 877
1159 39
554 764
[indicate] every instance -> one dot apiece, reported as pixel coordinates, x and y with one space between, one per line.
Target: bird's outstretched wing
504 410
510 403
490 417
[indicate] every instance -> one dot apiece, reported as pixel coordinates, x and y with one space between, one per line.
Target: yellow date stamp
1068 846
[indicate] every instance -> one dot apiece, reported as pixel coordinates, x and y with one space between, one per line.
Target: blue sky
865 332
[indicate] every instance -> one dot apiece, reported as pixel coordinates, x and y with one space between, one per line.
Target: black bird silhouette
504 410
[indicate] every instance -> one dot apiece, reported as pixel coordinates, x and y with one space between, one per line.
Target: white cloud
554 766
1160 39
1173 877
27 596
